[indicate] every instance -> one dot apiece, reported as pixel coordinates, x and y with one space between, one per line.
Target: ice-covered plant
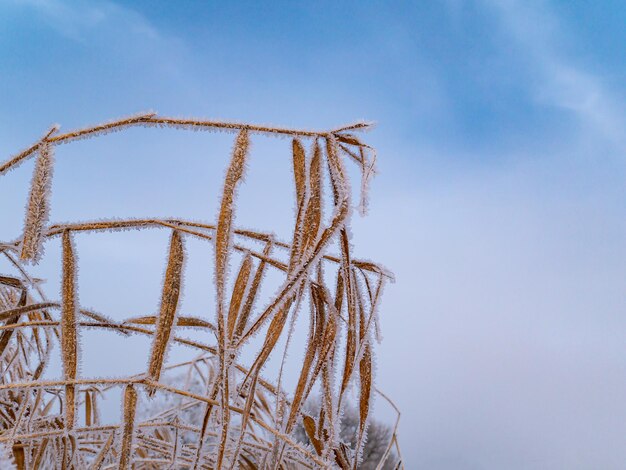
215 410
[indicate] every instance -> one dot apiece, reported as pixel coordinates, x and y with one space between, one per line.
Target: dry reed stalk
151 118
99 460
18 311
23 155
169 307
180 225
109 126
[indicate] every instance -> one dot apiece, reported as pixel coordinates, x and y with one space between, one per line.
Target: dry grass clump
225 413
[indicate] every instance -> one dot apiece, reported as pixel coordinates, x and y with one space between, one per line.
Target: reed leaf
180 320
313 214
223 236
299 170
38 204
309 426
169 307
239 292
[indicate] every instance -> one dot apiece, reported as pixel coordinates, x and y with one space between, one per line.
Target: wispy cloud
127 50
77 19
557 79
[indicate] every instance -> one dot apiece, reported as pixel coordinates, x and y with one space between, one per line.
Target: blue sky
501 139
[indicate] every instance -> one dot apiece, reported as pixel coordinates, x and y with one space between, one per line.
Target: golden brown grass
244 420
